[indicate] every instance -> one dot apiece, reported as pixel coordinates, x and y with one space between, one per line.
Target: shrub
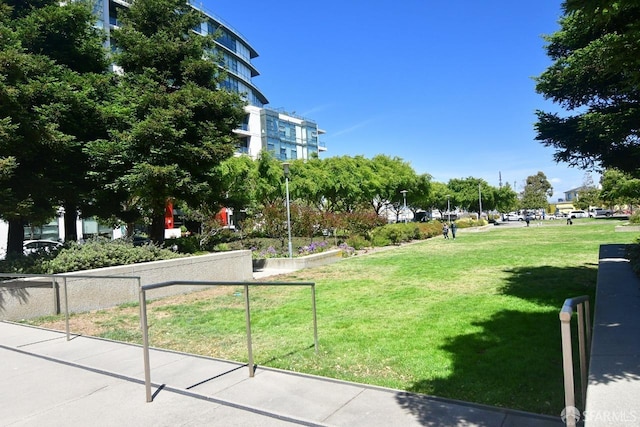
347 250
361 222
103 253
470 222
634 218
185 245
395 233
313 248
32 264
221 247
357 242
429 229
380 240
633 252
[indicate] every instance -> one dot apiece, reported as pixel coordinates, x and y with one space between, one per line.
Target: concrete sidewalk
613 392
47 380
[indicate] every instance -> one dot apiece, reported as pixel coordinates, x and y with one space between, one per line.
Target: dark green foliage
96 253
633 252
50 53
401 232
185 245
104 253
172 126
594 74
361 222
357 242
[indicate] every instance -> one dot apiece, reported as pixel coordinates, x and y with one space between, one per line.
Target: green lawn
474 319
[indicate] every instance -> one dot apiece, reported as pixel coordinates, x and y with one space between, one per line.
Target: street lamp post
480 202
448 209
404 210
285 167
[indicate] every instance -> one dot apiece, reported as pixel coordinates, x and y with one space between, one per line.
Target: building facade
286 136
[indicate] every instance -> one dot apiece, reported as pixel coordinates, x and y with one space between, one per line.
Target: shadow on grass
550 286
515 361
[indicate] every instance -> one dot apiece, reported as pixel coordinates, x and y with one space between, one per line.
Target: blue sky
446 86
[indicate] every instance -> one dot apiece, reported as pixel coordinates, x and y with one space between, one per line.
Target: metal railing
55 287
145 328
581 306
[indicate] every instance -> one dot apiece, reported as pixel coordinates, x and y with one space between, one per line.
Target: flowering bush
270 252
347 250
313 248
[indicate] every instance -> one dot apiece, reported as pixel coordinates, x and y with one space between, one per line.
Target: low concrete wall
299 263
27 298
628 228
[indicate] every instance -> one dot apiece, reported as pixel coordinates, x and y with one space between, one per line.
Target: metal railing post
56 296
144 321
567 368
582 351
315 317
145 343
66 308
247 314
581 306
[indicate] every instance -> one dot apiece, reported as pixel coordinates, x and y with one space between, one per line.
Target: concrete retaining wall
315 260
27 298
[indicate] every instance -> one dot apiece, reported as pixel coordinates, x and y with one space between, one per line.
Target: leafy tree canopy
595 74
619 188
171 124
537 190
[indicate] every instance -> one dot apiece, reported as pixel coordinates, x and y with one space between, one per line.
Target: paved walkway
613 393
49 381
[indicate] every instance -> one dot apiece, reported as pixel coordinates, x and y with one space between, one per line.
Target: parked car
34 246
512 216
594 212
578 214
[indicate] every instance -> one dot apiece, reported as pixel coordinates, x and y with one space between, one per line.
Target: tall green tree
270 181
537 190
441 197
588 195
468 191
506 199
595 74
393 175
67 34
619 188
46 50
172 124
352 183
419 197
239 174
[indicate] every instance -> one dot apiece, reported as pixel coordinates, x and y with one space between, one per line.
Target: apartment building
286 135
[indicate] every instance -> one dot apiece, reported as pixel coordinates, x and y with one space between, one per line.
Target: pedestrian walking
454 228
445 231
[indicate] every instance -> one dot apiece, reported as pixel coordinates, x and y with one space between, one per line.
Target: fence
18 285
145 328
581 305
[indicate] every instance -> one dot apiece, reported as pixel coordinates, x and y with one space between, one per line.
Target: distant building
572 195
286 135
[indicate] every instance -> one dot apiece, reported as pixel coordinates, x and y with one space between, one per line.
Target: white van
578 214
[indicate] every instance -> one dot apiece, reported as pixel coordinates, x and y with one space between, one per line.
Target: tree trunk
15 237
70 218
157 229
